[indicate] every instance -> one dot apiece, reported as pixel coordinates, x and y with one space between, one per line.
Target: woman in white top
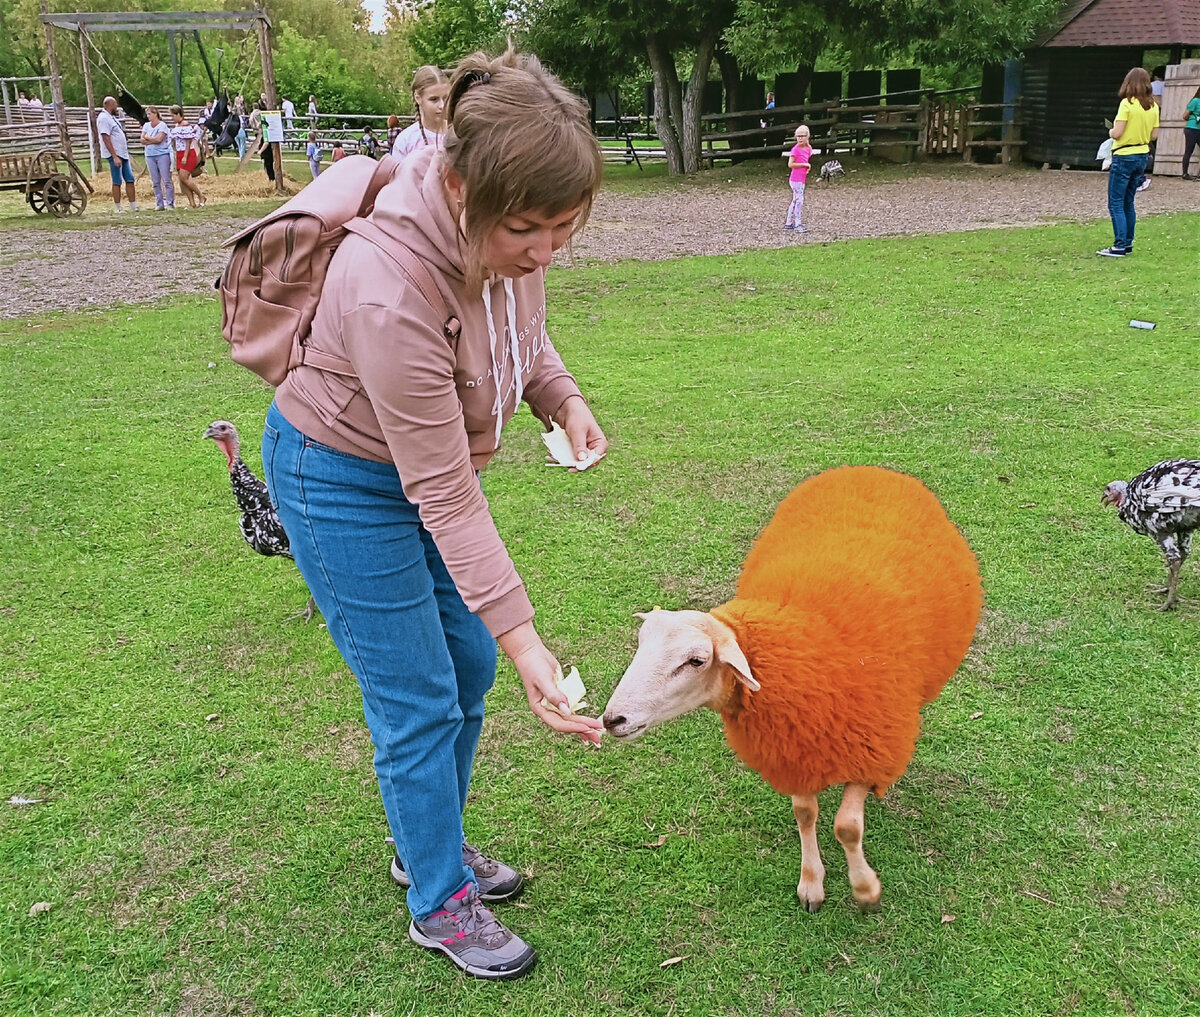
429 90
188 140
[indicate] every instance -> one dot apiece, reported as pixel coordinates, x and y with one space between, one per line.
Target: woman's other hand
581 427
538 670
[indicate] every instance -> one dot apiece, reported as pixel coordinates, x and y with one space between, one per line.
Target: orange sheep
856 604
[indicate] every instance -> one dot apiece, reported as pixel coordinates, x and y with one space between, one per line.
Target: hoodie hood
412 207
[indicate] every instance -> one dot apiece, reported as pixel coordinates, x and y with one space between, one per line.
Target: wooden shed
1072 75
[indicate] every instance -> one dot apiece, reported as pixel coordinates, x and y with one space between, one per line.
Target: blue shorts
119 173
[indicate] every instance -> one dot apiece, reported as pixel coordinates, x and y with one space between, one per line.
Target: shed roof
1156 23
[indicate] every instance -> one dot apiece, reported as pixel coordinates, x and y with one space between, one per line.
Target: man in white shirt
116 145
289 118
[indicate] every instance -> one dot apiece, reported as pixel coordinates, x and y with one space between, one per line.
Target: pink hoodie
432 407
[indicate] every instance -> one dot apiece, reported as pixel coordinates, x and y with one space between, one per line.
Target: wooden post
1011 152
93 136
60 111
268 69
968 133
175 66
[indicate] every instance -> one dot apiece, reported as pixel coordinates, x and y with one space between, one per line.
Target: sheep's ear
729 653
641 614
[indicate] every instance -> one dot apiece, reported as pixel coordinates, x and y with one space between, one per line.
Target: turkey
1162 502
260 525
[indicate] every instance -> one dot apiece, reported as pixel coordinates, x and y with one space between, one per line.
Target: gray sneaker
469 934
497 882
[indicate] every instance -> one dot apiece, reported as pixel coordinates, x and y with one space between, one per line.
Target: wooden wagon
46 187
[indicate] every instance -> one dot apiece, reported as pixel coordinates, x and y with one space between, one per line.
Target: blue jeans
423 661
1123 178
160 177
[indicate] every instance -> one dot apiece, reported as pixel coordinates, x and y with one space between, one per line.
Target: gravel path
140 257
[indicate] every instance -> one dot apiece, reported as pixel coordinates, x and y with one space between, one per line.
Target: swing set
173 23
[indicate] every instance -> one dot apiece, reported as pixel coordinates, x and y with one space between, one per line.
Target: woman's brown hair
1137 86
521 141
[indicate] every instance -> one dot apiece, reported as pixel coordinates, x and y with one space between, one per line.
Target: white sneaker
1144 184
118 208
133 206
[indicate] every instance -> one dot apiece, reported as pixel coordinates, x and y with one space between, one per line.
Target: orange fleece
856 604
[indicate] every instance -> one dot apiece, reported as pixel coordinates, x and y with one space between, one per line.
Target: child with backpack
429 330
314 153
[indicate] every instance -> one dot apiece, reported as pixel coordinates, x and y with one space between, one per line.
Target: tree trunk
693 103
731 78
667 102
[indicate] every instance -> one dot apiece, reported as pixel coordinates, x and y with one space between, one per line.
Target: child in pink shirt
798 162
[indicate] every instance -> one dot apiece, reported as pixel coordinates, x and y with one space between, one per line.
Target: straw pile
251 184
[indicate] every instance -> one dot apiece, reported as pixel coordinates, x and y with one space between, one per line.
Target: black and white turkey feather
1163 503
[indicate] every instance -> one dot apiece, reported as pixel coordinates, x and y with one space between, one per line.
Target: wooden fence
891 126
29 130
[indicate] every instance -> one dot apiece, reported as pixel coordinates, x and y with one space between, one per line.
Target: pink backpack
272 283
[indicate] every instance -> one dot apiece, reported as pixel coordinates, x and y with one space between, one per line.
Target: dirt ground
140 257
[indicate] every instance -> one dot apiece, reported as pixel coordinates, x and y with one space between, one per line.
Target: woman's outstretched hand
581 427
538 670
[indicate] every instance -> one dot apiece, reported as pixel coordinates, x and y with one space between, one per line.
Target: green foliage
305 67
211 840
447 30
321 47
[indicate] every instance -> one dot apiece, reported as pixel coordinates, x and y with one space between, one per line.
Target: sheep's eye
696 661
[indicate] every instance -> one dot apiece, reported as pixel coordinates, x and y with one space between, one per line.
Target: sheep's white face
681 659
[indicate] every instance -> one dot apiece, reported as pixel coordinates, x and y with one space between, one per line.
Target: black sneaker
497 882
1112 252
469 934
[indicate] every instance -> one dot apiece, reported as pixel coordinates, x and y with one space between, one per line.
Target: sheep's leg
848 828
811 888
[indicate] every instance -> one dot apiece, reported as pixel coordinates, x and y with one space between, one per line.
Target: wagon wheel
35 197
64 196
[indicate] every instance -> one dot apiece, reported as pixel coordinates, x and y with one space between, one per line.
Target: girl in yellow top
1134 127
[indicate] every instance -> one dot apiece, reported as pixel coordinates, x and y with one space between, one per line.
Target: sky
375 8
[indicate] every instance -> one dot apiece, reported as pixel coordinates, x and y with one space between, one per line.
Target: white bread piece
563 452
570 685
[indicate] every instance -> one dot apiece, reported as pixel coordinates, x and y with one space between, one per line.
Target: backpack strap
383 173
411 265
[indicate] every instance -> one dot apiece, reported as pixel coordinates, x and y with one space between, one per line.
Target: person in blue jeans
1134 127
430 330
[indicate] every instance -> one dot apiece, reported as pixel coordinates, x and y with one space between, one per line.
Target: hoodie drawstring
512 349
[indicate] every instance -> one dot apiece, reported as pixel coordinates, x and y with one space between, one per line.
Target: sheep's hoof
810 898
868 907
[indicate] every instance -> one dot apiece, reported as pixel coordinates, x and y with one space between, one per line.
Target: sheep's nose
610 721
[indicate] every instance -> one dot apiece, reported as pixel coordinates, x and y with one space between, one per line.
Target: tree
667 31
447 30
321 46
763 36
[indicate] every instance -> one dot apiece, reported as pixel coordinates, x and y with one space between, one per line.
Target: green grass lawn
212 841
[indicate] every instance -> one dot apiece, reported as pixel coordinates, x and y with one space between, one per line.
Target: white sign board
273 121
